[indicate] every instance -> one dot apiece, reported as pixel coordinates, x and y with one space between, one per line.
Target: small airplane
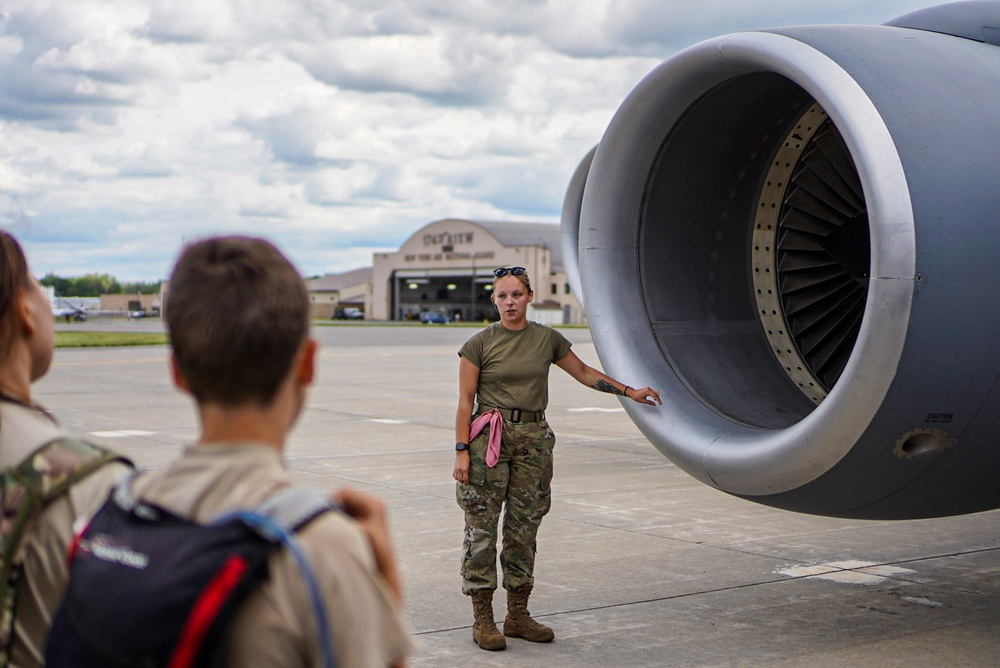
63 309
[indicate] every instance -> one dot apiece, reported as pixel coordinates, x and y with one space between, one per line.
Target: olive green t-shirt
514 365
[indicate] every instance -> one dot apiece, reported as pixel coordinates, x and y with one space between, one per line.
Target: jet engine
570 224
792 233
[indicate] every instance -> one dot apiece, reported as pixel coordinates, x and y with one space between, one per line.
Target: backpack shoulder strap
277 519
42 477
54 467
39 479
295 507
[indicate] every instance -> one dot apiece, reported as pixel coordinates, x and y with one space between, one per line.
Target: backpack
150 588
25 490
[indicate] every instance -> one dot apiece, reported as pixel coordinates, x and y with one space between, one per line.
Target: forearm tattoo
604 386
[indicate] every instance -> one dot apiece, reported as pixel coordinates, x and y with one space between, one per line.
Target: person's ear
306 369
178 377
24 312
531 296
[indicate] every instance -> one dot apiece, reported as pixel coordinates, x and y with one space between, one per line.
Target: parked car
348 313
434 318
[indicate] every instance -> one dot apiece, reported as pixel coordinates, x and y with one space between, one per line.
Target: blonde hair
525 281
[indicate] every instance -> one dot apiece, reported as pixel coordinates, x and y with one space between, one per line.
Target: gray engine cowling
793 235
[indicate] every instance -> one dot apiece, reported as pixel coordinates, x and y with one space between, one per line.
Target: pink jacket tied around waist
495 420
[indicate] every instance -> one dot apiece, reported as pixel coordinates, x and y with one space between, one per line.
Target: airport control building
448 265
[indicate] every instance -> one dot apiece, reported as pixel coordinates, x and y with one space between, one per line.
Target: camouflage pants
521 482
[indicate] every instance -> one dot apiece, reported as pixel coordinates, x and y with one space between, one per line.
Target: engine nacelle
793 235
570 224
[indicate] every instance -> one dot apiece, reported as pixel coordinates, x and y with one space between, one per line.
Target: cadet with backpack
132 553
238 318
48 479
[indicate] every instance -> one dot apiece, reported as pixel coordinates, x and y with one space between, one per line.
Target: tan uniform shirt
276 625
43 583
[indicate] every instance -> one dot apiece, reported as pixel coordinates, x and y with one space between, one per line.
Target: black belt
514 414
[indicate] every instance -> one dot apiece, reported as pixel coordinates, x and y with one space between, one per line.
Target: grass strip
109 339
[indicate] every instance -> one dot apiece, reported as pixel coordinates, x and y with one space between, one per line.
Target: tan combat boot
484 630
519 623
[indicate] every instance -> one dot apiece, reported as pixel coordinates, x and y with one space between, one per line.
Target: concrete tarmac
638 564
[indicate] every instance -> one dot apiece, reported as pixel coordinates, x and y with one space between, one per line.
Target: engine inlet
811 254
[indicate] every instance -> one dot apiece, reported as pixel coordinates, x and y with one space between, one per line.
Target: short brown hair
14 279
237 313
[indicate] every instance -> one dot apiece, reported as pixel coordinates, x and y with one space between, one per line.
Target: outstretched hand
369 511
644 395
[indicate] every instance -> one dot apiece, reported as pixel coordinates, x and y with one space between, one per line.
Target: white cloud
656 28
333 128
458 68
201 21
10 46
344 185
116 56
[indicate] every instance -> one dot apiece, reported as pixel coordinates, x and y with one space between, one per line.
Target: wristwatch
461 446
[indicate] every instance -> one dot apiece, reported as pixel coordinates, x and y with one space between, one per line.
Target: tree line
94 285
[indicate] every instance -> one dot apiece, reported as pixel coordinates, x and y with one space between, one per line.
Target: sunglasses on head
503 271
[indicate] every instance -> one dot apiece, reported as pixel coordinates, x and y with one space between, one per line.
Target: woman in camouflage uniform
504 452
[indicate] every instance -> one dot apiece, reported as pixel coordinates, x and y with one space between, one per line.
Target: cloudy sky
333 128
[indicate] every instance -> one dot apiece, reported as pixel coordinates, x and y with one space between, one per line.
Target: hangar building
448 265
329 293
